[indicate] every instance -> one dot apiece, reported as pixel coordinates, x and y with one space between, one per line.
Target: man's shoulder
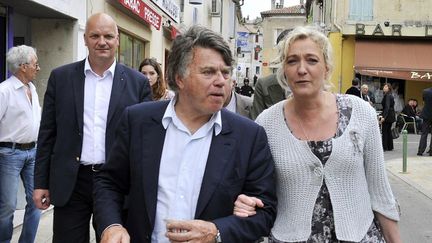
148 108
70 67
244 98
268 80
237 121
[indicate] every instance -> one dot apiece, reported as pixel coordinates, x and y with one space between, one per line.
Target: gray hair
183 47
19 55
301 33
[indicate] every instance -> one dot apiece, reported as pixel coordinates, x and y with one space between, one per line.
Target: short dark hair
355 81
183 47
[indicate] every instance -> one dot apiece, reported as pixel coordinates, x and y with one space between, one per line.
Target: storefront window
131 51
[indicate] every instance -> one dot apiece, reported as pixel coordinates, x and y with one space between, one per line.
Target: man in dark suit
426 115
354 89
267 89
82 107
236 103
184 162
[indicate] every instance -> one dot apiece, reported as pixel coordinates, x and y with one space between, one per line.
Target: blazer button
77 159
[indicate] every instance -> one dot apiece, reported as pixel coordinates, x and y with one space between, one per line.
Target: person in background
255 79
354 89
426 128
152 70
82 107
387 117
246 90
236 103
366 95
410 111
185 161
331 183
267 89
20 114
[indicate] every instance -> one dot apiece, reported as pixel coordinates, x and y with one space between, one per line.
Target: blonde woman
331 178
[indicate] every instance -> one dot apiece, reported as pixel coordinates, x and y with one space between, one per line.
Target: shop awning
408 60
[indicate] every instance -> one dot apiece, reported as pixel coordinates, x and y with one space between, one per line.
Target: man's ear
179 81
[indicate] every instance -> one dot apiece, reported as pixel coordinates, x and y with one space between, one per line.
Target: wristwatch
218 238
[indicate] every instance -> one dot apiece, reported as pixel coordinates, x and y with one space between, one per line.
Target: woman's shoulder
269 114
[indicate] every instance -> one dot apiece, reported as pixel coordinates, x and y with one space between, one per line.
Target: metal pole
405 150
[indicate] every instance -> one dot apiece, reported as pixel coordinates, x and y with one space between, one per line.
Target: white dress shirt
19 118
232 105
97 93
182 166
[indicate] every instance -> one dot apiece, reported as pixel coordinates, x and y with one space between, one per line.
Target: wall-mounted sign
141 9
396 30
170 7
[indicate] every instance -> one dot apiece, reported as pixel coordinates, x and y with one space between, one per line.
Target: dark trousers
425 130
72 221
387 139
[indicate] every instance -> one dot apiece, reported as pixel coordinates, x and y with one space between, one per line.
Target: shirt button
318 171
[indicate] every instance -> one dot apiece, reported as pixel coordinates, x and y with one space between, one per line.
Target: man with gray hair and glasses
184 162
20 114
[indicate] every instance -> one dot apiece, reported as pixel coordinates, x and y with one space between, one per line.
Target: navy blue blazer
61 129
239 161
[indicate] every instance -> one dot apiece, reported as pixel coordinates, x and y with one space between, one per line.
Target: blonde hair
301 33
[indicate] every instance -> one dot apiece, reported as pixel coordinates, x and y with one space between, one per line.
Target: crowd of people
180 158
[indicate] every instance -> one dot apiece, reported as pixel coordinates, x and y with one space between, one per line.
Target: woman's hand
245 206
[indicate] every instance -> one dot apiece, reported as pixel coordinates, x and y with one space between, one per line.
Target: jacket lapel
78 89
153 137
221 151
119 83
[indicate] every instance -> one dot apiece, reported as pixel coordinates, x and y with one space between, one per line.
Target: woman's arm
389 228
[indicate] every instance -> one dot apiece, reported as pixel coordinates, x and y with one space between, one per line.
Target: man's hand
191 231
115 234
245 206
41 198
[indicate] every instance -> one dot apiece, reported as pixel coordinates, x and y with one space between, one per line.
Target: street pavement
413 189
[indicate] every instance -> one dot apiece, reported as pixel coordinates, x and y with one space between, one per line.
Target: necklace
301 126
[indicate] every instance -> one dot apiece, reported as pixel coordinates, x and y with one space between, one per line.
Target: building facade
146 28
274 21
380 42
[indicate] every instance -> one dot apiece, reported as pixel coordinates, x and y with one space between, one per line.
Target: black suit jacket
353 91
427 109
61 129
239 161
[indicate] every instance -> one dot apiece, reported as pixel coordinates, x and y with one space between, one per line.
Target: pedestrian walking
20 114
82 107
426 127
387 117
186 160
331 176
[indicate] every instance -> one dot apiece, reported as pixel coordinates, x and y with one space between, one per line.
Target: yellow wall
343 53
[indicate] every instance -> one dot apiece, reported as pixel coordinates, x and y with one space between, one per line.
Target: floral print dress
323 228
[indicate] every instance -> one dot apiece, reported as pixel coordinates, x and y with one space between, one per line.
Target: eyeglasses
36 65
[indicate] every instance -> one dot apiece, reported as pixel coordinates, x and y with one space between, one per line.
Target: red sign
141 9
265 64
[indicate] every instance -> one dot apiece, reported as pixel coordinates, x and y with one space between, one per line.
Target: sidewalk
419 176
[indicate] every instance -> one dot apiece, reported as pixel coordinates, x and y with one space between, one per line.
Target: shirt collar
170 115
18 84
111 69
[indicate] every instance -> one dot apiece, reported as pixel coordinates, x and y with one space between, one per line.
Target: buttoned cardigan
355 176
